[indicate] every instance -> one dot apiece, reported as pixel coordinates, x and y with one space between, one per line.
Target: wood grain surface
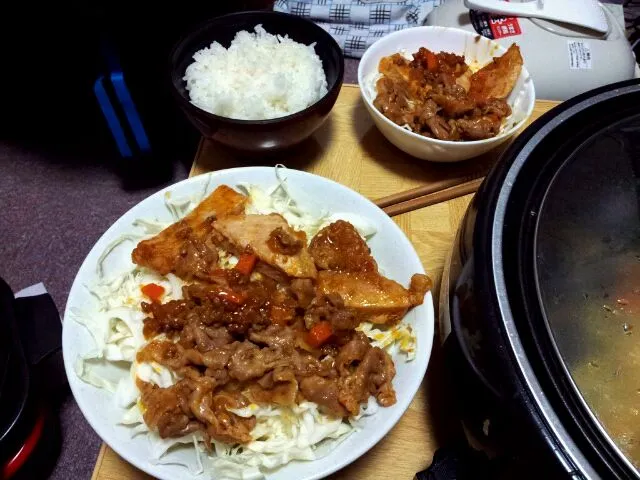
350 150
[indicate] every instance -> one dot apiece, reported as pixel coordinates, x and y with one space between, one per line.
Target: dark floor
51 213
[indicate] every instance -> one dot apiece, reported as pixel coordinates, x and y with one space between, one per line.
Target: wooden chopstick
415 203
425 190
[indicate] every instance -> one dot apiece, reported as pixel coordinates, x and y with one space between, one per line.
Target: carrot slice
246 263
432 61
153 291
319 334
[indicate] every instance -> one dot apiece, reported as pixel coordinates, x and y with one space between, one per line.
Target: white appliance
568 46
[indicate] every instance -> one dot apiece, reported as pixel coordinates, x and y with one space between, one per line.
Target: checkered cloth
356 24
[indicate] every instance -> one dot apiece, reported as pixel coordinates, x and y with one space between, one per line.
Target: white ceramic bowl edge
477 50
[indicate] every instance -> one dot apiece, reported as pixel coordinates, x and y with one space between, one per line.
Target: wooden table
350 150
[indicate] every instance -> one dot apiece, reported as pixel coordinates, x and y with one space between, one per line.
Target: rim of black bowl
237 121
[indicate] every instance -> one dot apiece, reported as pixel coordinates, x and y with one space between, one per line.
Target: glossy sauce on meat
220 346
436 95
266 336
281 241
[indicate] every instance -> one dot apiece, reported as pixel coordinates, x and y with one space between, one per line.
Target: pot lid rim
517 154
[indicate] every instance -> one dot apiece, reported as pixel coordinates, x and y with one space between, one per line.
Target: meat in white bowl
478 51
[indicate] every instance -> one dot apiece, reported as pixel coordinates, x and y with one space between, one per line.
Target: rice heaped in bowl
260 76
251 137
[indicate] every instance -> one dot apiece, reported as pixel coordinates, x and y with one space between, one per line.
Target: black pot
17 412
531 304
31 383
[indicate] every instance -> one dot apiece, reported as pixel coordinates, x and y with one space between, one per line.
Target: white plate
390 247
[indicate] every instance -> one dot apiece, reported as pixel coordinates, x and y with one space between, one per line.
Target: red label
504 26
494 26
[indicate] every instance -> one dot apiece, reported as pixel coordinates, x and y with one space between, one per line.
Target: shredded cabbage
281 434
278 200
396 338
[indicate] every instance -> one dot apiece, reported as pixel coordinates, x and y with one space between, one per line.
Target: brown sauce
436 94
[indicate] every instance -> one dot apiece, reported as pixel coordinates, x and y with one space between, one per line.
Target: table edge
99 461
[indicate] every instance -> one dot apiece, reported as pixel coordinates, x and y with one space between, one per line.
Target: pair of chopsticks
426 195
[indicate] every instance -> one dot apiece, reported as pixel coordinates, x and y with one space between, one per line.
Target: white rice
260 76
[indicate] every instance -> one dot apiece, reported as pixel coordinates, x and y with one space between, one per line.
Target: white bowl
391 248
477 50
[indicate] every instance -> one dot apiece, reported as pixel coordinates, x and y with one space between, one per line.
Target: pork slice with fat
254 233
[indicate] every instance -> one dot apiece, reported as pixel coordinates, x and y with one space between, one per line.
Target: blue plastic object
135 123
112 119
119 110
